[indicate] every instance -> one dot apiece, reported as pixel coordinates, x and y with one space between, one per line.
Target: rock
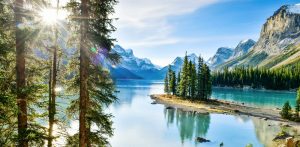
282 135
236 111
201 140
297 143
153 103
169 107
289 142
221 144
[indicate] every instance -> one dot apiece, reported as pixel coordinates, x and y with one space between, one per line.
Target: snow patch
294 9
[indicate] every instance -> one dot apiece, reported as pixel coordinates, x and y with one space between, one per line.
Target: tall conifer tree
183 85
166 84
200 81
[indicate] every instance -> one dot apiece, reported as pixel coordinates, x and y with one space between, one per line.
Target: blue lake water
258 98
138 123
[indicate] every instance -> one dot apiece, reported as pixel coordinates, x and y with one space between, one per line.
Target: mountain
177 64
243 48
132 67
221 56
278 44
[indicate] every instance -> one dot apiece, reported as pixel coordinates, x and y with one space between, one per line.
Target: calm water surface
258 98
138 123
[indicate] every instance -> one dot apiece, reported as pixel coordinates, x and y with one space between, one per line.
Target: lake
138 123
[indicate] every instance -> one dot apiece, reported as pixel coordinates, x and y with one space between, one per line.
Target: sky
161 30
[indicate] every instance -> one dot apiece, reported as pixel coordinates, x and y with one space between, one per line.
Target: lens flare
50 16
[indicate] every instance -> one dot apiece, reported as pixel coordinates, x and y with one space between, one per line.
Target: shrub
286 111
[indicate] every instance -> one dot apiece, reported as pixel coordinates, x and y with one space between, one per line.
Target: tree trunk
20 76
50 109
52 102
84 63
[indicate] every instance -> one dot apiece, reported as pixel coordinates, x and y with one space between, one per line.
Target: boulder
289 142
169 107
201 140
282 135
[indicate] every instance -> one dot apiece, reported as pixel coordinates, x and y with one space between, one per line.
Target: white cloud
144 22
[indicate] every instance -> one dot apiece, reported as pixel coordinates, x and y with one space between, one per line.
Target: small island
191 91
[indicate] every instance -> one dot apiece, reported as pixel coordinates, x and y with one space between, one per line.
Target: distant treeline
275 79
191 82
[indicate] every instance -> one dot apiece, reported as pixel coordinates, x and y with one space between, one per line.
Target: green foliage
183 84
192 79
172 80
297 107
38 63
192 83
286 111
276 79
100 85
166 84
200 82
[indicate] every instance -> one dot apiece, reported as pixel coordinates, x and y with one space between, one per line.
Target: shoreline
255 89
225 107
222 107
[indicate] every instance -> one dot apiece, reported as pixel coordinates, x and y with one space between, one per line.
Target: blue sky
164 29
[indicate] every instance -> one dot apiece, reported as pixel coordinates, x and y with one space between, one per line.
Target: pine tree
297 108
172 82
95 43
199 88
166 83
169 79
8 103
286 111
284 78
193 74
178 82
183 85
53 84
208 82
20 75
189 77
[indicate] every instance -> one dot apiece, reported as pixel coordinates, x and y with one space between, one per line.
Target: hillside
278 44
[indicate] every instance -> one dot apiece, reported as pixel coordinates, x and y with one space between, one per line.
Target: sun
50 16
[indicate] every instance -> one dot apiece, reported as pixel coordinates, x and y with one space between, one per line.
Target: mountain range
277 46
132 67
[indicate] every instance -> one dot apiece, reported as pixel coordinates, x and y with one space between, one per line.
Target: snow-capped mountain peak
222 55
243 47
294 8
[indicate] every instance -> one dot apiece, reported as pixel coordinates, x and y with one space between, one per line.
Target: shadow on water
190 125
137 122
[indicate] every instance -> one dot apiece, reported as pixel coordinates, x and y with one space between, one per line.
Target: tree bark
84 63
20 76
52 102
50 109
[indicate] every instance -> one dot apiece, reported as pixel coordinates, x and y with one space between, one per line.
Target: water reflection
190 125
139 123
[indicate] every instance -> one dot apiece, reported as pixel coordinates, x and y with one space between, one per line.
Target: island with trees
190 90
